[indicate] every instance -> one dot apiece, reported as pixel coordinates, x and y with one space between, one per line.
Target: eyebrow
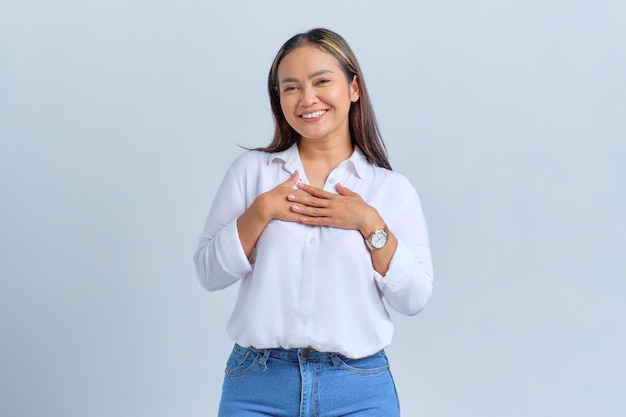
313 75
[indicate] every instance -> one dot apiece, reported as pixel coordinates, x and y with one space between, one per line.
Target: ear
355 90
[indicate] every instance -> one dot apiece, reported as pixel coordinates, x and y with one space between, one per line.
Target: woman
317 230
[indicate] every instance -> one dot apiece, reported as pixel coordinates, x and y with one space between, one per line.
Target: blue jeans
306 383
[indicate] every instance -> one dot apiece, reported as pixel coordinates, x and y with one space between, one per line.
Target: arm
232 229
219 258
408 284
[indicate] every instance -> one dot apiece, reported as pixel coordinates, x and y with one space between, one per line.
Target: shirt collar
358 162
291 159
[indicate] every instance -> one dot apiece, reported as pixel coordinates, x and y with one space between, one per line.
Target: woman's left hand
346 210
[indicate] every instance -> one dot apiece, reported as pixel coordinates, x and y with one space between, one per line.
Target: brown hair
364 131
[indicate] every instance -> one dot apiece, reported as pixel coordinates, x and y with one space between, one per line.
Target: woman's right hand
274 205
271 205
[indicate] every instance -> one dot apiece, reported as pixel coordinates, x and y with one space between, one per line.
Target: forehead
307 59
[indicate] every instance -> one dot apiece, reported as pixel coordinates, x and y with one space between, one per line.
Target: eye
322 81
289 88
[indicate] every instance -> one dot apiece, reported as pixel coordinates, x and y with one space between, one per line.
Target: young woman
317 230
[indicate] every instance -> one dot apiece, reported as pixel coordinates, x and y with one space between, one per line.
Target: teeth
312 115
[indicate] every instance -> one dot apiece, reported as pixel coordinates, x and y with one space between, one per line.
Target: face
315 95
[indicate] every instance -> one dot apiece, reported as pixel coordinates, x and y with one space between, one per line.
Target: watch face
379 239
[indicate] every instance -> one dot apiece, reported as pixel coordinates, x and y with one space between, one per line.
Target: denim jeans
306 383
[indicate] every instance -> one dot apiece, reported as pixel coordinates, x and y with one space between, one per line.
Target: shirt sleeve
408 284
220 259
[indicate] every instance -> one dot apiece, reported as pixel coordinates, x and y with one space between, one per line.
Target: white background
119 118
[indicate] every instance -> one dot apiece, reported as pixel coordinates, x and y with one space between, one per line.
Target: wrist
371 224
260 211
378 238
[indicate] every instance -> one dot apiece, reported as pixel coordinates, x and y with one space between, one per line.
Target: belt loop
263 360
335 359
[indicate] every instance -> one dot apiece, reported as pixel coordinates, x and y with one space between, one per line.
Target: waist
294 354
356 335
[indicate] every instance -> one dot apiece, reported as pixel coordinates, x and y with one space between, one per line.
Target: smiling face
315 96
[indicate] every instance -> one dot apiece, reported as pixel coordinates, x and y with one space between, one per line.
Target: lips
313 115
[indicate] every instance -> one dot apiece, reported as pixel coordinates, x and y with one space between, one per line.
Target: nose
308 97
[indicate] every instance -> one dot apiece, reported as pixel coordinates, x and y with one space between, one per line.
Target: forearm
408 284
381 258
250 225
219 259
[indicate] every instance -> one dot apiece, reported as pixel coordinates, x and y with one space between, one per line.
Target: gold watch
378 239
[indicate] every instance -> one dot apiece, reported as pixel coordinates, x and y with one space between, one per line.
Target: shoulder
393 195
377 176
251 157
383 176
249 160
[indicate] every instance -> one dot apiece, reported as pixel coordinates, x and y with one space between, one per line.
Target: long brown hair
364 131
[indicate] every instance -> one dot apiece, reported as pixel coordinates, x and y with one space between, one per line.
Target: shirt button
312 240
331 180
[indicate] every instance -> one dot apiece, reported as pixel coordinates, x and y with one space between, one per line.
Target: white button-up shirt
311 286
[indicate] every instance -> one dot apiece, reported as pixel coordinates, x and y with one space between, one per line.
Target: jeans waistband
294 354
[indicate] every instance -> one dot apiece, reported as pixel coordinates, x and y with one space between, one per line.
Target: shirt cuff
230 253
401 261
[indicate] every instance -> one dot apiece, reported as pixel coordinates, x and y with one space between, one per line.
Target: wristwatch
378 238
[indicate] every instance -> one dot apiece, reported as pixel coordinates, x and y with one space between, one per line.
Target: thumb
291 182
343 190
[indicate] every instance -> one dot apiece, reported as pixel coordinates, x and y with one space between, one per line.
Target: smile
313 115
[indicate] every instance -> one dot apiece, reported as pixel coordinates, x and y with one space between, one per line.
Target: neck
319 158
330 153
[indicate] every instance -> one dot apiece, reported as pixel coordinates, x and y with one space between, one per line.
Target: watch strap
368 240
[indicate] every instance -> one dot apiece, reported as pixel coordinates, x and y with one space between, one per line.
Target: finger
310 211
298 195
314 191
319 221
292 180
308 200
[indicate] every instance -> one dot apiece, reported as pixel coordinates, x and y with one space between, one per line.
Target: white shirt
311 286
